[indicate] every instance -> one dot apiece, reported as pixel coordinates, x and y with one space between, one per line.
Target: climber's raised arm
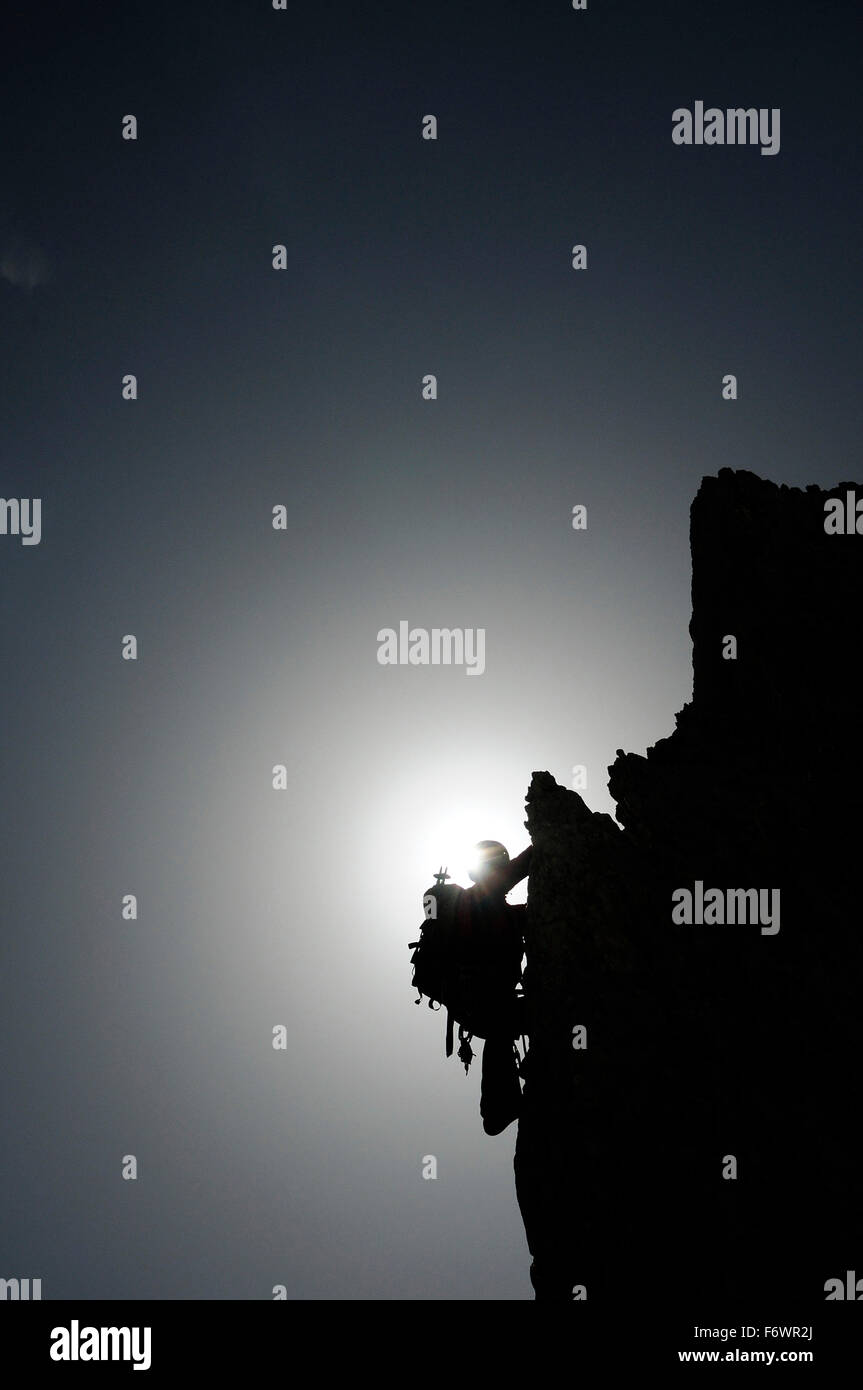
494 873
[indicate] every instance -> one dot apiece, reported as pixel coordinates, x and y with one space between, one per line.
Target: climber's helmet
487 855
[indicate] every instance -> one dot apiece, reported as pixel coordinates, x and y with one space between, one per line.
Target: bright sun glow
449 841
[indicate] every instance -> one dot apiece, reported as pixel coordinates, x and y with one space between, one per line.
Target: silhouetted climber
494 930
469 959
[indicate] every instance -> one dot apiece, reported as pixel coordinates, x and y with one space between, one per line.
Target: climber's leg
500 1095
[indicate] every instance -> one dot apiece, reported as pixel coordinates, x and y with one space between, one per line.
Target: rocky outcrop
710 1047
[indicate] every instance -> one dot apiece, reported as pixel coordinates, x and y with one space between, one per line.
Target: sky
258 647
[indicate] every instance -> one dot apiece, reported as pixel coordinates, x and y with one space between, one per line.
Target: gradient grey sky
259 647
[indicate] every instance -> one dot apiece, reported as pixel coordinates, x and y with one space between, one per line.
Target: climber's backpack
446 971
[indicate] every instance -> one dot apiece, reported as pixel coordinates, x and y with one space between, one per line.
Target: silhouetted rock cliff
710 1042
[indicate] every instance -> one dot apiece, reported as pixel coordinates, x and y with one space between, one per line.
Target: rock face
707 1045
